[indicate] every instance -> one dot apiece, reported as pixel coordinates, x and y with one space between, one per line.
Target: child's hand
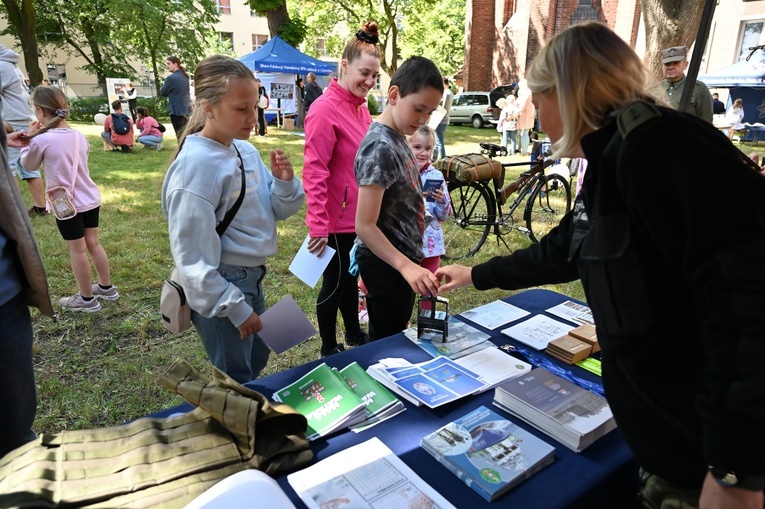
252 325
281 167
316 245
422 281
437 194
34 126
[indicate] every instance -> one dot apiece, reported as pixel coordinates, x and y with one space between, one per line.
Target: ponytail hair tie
367 37
62 113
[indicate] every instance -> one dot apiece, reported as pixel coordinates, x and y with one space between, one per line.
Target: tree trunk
668 23
23 20
276 18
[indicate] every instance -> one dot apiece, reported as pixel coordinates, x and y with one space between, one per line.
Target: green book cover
324 398
374 395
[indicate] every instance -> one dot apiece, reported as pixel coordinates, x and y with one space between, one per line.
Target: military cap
674 54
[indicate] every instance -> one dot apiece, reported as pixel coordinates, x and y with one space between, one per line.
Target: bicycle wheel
548 203
474 213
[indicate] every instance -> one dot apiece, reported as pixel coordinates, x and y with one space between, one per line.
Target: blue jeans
440 150
150 140
18 396
524 141
241 359
508 141
14 157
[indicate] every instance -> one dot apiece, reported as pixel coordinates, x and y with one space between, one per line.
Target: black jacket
668 237
312 92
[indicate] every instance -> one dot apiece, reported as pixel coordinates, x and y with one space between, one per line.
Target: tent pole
698 52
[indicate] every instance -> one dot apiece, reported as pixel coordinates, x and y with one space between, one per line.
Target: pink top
55 149
148 127
336 123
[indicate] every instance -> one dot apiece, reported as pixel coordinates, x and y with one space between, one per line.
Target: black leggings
262 123
179 123
339 290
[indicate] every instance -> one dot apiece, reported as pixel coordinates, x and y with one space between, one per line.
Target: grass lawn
103 368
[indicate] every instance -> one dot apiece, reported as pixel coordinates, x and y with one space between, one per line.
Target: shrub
372 104
82 109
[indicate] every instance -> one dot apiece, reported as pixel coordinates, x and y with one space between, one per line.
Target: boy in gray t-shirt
390 211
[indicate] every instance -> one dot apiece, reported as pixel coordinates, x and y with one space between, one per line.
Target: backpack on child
121 123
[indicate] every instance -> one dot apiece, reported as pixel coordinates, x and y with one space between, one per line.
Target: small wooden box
288 124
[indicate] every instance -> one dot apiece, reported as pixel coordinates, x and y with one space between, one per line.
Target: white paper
537 331
307 266
573 312
239 490
367 475
285 325
494 314
494 366
436 117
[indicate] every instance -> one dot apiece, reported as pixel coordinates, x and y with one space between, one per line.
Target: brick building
502 36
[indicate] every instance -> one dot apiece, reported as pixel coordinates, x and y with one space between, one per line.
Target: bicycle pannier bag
121 123
175 310
469 168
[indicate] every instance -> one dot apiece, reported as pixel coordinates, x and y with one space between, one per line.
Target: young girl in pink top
64 152
151 136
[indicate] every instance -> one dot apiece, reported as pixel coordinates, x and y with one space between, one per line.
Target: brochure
574 416
461 340
494 314
431 185
489 453
537 331
364 476
380 404
573 312
325 399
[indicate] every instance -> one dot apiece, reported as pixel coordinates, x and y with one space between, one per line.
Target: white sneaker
108 294
158 146
77 303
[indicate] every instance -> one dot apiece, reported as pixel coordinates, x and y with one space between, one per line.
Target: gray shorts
14 158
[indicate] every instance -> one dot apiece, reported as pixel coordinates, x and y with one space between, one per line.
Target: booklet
380 404
494 314
365 476
431 185
573 312
461 340
537 331
488 452
574 416
325 399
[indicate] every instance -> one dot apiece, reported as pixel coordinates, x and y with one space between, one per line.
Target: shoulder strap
76 162
235 208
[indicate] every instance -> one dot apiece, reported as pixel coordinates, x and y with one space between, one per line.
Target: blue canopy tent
278 56
745 80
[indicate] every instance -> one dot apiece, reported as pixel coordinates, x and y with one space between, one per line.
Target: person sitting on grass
150 136
390 210
119 138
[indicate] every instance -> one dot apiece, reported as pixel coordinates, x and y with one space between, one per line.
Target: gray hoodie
14 97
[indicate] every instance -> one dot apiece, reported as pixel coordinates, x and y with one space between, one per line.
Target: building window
321 47
227 38
224 6
751 35
377 83
258 40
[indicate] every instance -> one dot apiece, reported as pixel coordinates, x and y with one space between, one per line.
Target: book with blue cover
488 452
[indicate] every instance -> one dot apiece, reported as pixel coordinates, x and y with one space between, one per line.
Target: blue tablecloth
603 476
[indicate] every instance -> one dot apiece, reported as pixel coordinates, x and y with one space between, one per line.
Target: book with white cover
494 314
537 331
573 312
365 476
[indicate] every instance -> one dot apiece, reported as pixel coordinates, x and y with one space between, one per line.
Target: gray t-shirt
385 159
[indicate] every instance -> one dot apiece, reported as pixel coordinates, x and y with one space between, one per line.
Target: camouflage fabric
657 493
159 462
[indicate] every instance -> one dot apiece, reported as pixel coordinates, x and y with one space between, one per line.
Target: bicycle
478 209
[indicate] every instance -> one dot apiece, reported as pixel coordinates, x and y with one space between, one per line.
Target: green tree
22 17
292 30
436 31
668 23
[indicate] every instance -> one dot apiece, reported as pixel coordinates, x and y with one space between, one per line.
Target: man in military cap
675 62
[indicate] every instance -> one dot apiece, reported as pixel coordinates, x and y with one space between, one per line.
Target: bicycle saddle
491 147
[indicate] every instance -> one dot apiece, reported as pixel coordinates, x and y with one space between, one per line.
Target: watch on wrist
730 479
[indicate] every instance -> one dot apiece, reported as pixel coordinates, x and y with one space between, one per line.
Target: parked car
471 108
497 93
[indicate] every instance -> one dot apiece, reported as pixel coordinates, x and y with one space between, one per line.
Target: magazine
365 476
324 398
380 404
571 415
488 452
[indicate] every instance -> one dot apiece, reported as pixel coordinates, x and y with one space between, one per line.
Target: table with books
603 474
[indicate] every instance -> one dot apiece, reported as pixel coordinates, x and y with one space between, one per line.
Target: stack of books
569 349
587 334
571 415
489 453
332 400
